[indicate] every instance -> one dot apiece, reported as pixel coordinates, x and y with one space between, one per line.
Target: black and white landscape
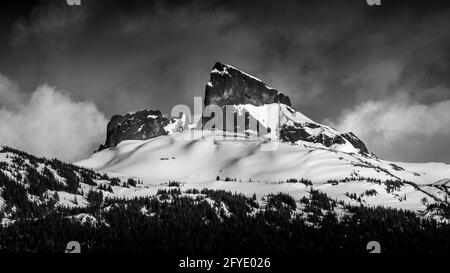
241 127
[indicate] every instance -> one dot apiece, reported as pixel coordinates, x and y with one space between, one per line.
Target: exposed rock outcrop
141 125
295 133
230 86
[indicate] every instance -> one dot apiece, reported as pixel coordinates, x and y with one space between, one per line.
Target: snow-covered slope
291 154
204 159
202 155
282 122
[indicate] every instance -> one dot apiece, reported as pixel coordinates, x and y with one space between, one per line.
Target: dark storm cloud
330 57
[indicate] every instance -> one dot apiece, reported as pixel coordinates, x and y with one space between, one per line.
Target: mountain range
293 147
288 153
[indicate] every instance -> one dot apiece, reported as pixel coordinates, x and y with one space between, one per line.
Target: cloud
326 55
401 129
9 95
376 79
51 124
48 27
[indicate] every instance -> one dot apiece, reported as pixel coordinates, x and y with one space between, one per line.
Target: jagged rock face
229 86
295 133
141 125
356 142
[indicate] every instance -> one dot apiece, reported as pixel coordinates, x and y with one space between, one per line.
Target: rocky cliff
141 125
250 97
230 86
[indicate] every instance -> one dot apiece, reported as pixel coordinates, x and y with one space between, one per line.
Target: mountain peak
249 98
134 126
231 86
140 125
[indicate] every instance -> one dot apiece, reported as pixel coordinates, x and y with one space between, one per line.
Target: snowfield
209 159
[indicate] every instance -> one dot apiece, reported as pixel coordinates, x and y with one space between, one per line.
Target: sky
381 72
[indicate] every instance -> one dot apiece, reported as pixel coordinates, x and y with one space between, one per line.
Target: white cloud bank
400 129
49 123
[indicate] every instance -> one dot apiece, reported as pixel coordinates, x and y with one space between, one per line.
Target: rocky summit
230 86
250 97
140 125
